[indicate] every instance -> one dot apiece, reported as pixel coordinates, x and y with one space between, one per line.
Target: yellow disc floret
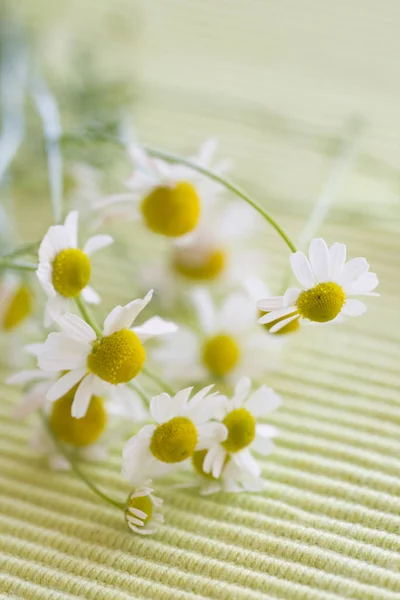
221 354
71 272
174 441
78 432
117 358
289 328
203 267
142 503
322 303
19 307
172 211
241 427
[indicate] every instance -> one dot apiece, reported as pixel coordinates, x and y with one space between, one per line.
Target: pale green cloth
274 81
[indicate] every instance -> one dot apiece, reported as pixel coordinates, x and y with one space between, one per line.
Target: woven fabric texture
327 526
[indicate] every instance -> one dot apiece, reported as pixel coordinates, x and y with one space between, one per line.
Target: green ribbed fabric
327 527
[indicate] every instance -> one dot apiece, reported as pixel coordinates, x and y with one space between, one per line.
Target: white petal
55 240
25 377
282 324
90 295
257 289
76 328
31 401
337 254
210 457
266 431
291 295
302 269
246 462
354 308
71 226
154 327
319 260
242 390
209 433
363 285
62 354
276 314
352 270
237 314
124 318
34 349
263 401
263 445
83 396
161 408
210 487
55 308
64 384
205 309
97 242
218 462
273 303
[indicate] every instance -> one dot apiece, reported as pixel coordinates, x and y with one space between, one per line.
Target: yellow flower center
117 358
198 460
71 272
221 354
241 427
174 441
78 432
289 328
18 309
172 211
142 503
204 268
322 303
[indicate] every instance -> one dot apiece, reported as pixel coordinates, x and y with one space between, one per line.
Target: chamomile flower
143 510
245 435
328 286
101 364
183 426
168 198
64 269
229 344
15 302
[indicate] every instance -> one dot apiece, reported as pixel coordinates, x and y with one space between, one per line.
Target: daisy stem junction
76 469
86 314
150 375
227 184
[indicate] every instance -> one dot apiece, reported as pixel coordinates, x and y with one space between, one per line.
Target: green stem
23 250
150 375
227 184
86 314
18 265
77 469
140 392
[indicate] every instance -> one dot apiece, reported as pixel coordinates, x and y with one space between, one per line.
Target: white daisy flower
169 198
229 344
98 365
183 427
257 290
143 510
245 435
64 269
16 301
328 286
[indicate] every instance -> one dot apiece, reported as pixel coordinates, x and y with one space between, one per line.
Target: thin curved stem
77 469
18 265
140 392
150 375
227 184
86 314
22 251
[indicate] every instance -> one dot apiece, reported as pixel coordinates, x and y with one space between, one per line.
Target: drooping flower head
328 281
143 510
183 426
64 269
98 364
168 198
240 415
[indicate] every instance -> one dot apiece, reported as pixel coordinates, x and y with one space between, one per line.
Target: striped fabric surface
328 524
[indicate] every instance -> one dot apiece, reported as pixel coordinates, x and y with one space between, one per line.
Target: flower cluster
184 391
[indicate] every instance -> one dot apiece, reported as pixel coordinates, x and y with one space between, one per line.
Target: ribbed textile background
327 526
